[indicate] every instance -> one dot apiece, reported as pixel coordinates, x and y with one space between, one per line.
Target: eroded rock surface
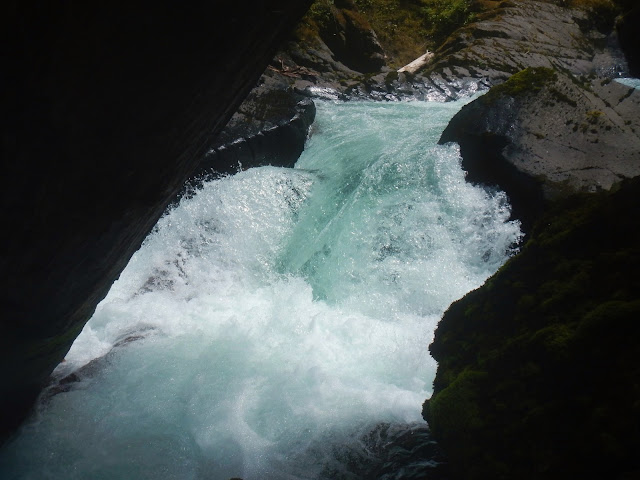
269 128
504 41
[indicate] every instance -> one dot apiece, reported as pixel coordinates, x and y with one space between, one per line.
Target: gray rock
550 139
269 128
503 41
519 35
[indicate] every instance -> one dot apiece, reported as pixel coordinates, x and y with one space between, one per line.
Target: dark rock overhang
106 111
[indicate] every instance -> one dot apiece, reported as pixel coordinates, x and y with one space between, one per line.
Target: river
274 320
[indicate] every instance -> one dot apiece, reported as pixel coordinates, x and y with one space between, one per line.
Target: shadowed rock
269 128
106 112
537 373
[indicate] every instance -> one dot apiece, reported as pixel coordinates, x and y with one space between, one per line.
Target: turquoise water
274 319
629 82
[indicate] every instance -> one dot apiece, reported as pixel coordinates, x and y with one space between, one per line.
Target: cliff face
106 111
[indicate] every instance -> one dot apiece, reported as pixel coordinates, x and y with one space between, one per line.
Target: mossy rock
537 372
527 81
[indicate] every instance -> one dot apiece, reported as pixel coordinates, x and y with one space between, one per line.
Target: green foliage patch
408 28
442 17
529 80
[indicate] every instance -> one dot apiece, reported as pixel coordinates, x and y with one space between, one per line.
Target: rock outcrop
554 121
503 41
106 112
545 133
333 45
269 128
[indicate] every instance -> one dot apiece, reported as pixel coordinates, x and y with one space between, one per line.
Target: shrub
442 17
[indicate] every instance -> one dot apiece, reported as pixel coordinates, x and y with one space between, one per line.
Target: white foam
284 312
629 82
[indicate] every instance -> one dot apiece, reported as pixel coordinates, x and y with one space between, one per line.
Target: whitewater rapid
276 317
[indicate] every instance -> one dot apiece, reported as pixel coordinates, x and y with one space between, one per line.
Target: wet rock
408 453
545 133
269 128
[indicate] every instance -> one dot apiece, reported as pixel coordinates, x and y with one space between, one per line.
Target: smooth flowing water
272 321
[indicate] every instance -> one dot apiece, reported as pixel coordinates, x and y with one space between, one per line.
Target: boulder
545 133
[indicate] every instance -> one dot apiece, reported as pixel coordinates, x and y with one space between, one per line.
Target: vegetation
529 80
442 17
405 28
537 373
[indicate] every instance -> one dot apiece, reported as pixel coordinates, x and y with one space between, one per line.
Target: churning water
276 318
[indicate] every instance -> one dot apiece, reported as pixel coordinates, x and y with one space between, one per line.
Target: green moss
320 12
455 408
554 339
593 116
442 17
537 370
624 314
527 81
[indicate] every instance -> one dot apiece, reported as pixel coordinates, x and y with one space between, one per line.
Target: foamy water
274 319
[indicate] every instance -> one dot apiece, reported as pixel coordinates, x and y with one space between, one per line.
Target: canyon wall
106 111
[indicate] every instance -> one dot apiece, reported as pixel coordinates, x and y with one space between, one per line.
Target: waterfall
273 321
